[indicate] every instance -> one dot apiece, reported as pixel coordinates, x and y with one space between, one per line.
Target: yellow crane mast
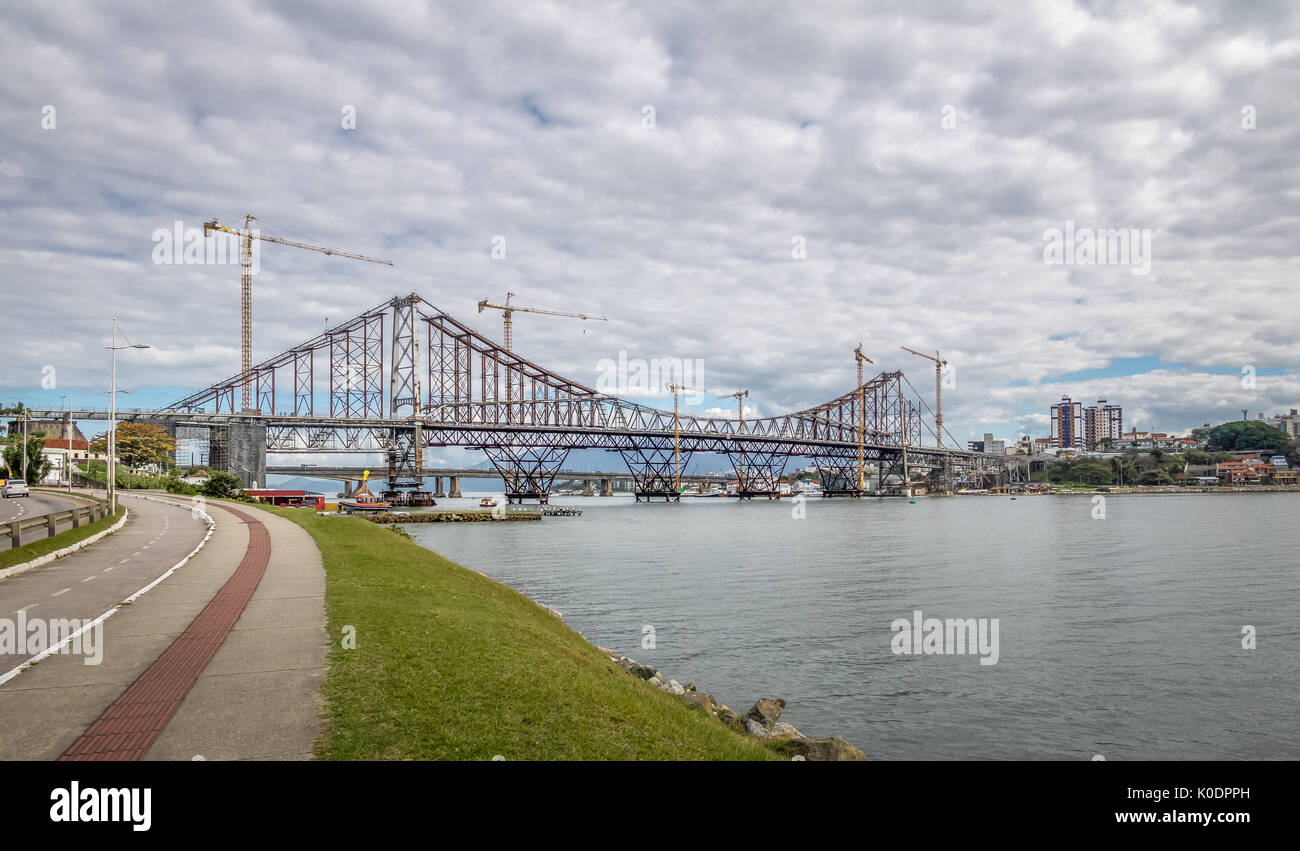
677 453
739 396
862 421
246 237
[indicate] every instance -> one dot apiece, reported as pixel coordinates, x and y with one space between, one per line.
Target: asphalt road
89 582
28 507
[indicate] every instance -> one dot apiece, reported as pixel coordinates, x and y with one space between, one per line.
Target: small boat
711 492
364 504
363 501
487 502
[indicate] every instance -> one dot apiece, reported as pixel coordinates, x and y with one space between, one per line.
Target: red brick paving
129 726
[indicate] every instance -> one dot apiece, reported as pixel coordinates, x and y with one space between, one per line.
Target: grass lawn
36 549
452 665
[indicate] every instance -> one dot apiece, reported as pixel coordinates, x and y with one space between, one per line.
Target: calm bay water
1119 636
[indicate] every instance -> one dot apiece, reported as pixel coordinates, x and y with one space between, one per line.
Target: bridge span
448 385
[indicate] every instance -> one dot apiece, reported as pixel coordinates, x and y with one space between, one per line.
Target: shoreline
761 721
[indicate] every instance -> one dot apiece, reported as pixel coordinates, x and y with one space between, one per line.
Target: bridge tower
405 448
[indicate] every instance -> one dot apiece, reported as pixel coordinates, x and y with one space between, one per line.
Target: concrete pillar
453 487
587 489
437 488
606 487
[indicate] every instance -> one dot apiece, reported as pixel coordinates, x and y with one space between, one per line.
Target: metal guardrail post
76 518
15 534
51 524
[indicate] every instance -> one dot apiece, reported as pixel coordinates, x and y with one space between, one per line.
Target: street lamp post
67 455
111 467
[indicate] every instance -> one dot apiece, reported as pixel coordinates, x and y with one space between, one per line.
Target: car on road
14 488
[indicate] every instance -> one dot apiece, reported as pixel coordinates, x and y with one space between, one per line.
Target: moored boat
364 504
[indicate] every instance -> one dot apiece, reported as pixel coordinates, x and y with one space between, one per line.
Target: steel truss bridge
433 381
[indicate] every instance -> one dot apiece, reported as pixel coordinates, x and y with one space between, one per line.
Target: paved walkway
221 660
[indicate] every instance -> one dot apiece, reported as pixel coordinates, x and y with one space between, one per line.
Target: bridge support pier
438 492
528 470
587 489
839 476
653 471
453 487
759 472
606 487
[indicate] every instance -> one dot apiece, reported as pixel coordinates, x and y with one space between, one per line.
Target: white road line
107 569
57 593
212 527
88 578
125 560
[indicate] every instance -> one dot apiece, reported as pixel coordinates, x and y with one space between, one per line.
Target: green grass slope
449 664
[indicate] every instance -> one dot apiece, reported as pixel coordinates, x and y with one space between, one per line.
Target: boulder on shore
634 667
833 749
766 711
730 717
784 732
700 700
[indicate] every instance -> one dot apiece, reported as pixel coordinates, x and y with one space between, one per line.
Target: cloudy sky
759 186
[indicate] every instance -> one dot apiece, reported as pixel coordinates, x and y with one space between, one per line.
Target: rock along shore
386 517
762 720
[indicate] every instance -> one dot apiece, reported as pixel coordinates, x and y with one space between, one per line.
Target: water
1119 636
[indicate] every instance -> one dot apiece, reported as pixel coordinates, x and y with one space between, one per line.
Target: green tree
1247 434
138 444
38 466
1156 477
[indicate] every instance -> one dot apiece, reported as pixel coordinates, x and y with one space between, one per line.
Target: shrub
222 486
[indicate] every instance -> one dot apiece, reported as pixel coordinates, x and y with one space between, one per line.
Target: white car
14 488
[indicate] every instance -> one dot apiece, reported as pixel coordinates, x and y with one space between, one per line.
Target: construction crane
677 453
939 364
246 237
862 421
739 396
509 309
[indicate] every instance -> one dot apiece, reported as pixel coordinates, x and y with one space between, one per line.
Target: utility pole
862 421
111 443
26 416
67 455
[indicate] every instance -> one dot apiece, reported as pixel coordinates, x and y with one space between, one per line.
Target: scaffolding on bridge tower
406 444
